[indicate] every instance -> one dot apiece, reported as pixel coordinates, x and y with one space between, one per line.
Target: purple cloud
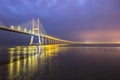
63 18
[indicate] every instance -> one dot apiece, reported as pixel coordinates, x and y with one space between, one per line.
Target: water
55 62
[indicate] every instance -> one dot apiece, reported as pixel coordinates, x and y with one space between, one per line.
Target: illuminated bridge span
35 29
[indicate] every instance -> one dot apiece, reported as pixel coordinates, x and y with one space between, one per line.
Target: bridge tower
35 31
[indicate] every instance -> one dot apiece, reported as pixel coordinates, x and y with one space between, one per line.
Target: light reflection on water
23 62
55 62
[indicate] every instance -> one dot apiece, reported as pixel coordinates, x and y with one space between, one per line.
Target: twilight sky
78 20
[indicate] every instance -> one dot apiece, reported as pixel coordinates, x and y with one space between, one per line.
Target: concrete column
50 41
46 41
55 42
42 40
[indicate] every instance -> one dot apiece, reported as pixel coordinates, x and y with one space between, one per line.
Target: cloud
98 35
66 16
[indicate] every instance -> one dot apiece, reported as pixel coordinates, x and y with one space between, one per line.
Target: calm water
55 62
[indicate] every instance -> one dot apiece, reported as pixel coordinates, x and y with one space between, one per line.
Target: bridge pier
55 42
52 41
49 41
44 40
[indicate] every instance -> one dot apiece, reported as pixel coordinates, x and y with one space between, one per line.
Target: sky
76 20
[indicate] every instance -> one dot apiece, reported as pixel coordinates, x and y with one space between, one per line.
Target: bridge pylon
35 31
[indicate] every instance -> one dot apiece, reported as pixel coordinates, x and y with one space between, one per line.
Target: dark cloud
64 18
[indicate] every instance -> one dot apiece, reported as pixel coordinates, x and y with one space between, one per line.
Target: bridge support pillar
54 42
42 41
51 41
45 40
35 29
48 41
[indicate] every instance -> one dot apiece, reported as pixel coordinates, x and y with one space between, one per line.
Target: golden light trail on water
25 59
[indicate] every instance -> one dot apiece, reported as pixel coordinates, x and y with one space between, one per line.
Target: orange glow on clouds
111 35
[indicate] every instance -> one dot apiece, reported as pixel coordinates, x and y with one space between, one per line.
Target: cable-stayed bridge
35 29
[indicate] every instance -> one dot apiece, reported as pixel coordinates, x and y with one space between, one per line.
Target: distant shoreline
94 45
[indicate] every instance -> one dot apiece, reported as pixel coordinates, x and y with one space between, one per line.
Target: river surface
59 62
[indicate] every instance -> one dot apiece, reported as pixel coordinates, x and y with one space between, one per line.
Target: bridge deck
12 30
